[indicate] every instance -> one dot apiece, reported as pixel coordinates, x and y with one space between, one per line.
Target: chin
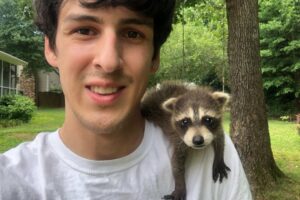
103 124
101 128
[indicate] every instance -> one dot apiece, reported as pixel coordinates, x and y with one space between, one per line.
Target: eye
208 121
133 35
85 31
185 123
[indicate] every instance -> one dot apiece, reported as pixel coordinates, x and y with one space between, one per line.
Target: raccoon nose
198 140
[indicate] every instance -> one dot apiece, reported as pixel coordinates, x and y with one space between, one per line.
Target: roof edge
12 59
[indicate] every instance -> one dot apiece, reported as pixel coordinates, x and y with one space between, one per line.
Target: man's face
104 56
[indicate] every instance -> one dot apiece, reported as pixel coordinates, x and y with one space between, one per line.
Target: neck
103 146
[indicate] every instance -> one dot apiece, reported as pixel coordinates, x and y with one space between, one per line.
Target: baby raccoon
191 116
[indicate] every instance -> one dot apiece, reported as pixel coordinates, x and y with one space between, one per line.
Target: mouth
105 95
105 91
194 146
199 146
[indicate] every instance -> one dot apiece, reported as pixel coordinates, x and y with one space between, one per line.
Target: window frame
11 90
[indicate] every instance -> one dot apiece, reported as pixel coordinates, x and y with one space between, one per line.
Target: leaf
292 46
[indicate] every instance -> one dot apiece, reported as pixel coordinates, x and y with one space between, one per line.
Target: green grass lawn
286 147
43 120
285 143
284 140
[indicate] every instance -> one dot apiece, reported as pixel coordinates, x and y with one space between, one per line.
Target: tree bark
249 125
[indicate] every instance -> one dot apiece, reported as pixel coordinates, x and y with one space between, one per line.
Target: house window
8 78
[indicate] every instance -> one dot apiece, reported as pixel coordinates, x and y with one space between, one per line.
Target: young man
105 51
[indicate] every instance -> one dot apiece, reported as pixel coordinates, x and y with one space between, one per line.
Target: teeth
103 91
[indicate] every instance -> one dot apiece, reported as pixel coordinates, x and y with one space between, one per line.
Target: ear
222 97
50 54
155 63
169 104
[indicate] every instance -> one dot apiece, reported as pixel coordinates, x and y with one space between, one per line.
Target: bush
15 109
277 108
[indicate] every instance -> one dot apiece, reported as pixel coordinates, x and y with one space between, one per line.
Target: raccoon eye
208 121
185 123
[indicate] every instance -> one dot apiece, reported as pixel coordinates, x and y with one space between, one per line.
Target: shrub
16 108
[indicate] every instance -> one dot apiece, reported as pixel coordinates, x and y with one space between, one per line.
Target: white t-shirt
46 169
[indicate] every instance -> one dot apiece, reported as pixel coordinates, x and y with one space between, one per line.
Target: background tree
249 125
19 36
201 58
280 51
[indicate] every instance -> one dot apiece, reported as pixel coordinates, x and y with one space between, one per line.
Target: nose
198 140
108 53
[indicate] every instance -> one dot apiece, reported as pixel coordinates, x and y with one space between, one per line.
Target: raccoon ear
169 104
222 97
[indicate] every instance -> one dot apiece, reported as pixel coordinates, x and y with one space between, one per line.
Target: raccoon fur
191 117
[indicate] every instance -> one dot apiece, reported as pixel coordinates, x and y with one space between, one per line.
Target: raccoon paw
176 195
179 194
168 197
220 171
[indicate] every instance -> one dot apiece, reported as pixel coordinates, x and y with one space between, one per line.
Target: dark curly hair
161 11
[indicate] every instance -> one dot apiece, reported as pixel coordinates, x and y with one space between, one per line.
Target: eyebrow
138 21
75 17
126 21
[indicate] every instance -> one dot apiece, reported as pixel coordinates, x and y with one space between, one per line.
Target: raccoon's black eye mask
210 122
184 123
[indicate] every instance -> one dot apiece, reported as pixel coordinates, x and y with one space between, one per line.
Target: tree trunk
249 125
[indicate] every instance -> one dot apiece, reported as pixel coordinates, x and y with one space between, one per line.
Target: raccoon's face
196 117
197 127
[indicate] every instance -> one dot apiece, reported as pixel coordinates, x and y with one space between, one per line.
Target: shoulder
157 134
25 153
29 146
200 184
18 164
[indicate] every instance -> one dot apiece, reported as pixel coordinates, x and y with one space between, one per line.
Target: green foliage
15 109
280 52
18 34
201 57
208 5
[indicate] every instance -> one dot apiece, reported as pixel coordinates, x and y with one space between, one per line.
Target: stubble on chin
100 127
